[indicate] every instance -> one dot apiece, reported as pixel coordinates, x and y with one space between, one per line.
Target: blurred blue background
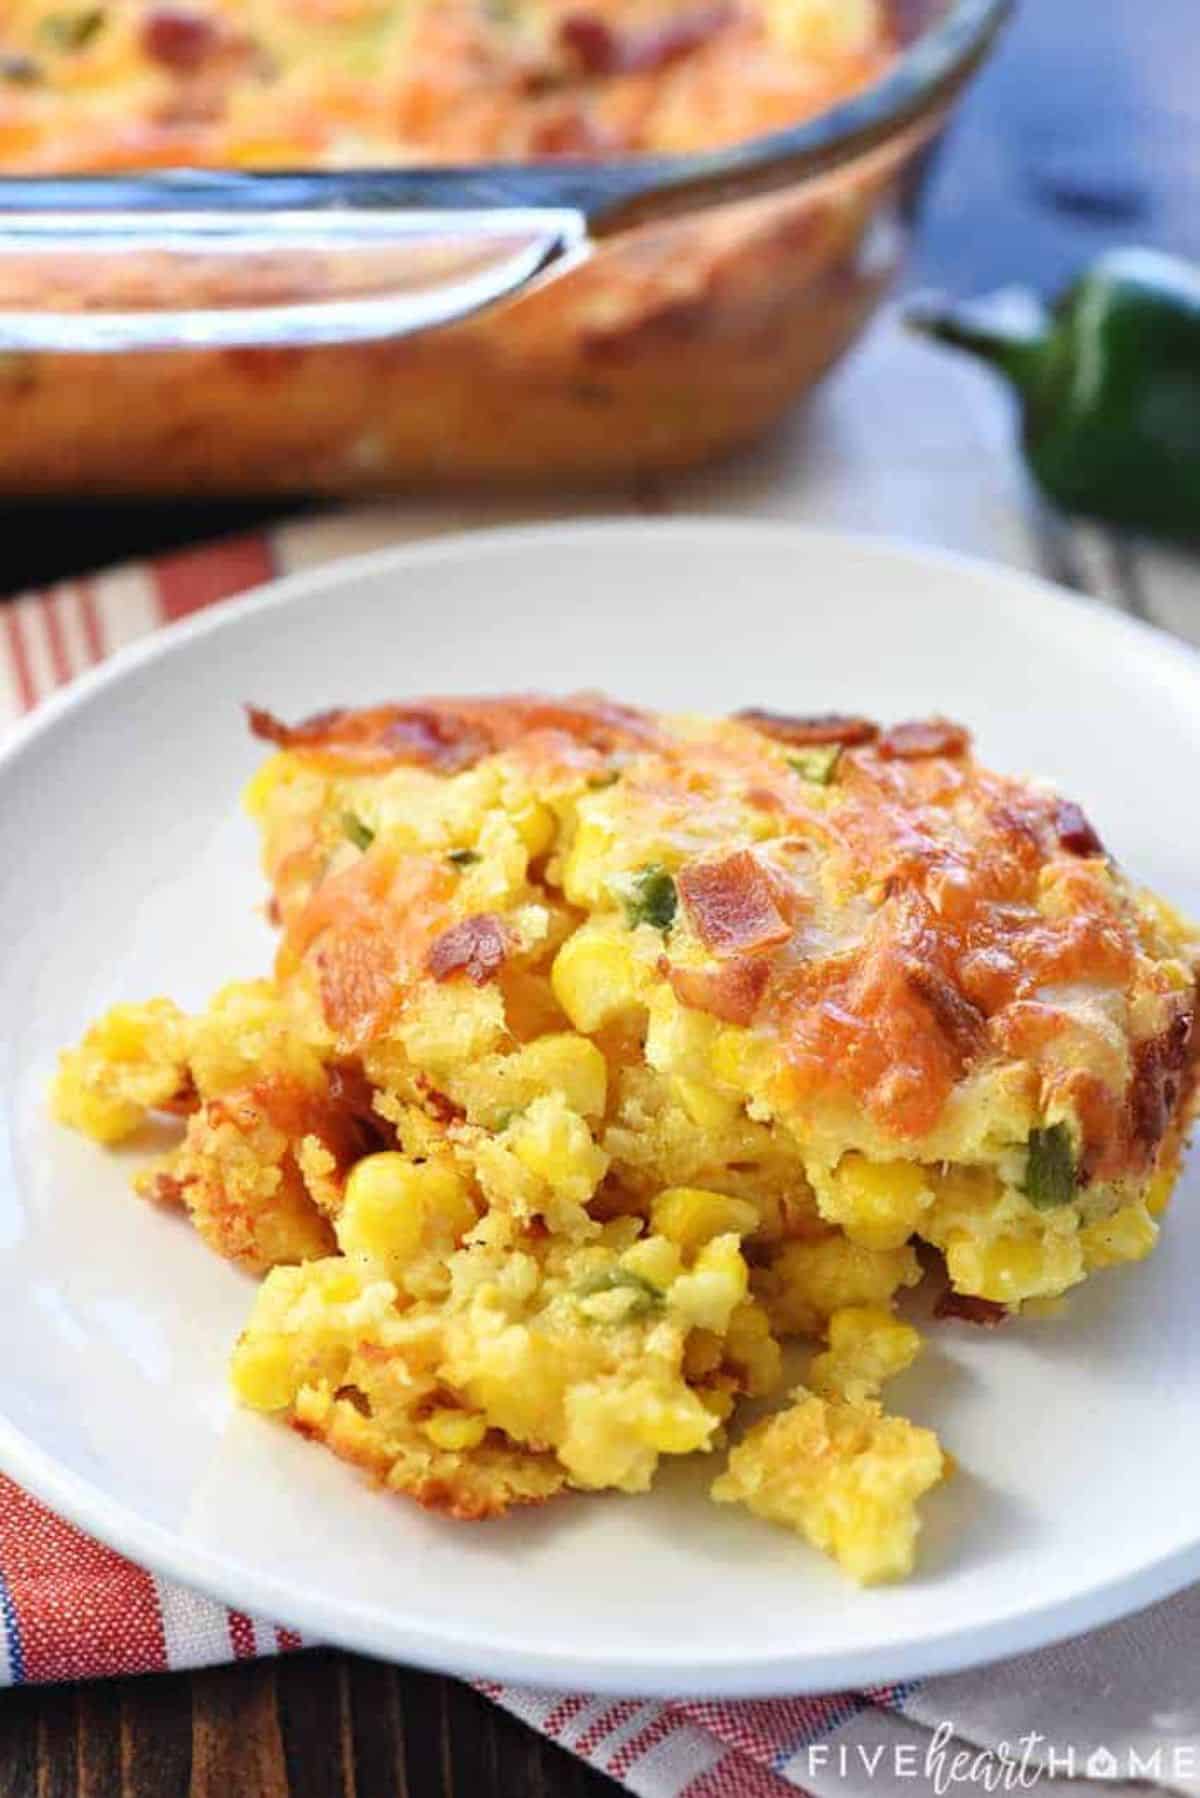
1083 132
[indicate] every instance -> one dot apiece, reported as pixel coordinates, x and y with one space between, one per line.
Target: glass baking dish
368 331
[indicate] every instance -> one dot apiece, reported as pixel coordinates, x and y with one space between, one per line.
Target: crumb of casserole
605 1052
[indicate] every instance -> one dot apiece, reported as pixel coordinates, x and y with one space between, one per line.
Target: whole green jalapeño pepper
1109 387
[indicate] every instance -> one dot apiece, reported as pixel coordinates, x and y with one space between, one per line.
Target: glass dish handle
146 279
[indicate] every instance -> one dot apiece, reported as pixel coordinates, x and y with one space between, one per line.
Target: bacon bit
477 948
731 992
450 735
1074 831
731 905
418 734
599 50
1154 1091
677 37
350 1089
442 740
961 1023
271 729
589 718
971 1310
352 1095
591 41
355 1397
905 19
341 1116
826 727
923 737
179 37
1020 822
440 1106
272 912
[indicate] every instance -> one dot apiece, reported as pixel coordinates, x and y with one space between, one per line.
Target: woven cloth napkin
1121 1705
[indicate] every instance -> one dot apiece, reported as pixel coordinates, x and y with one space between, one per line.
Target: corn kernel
706 1297
313 1404
678 1040
534 823
676 1428
105 1119
877 1203
1129 1235
870 1329
1013 1268
121 1035
750 1347
692 1216
593 977
588 863
390 1205
867 1346
556 1146
740 1059
336 1282
456 1430
263 1372
654 1259
565 1063
718 1401
711 1110
263 782
816 29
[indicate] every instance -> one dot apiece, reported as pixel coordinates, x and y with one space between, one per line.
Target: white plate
126 870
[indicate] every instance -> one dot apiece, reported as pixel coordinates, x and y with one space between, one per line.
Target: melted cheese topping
936 952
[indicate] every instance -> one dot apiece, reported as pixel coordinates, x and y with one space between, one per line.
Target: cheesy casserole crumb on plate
610 1058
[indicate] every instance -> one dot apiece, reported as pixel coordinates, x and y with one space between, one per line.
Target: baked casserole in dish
669 343
607 1053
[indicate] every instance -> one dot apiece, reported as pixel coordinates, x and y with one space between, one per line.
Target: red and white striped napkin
1121 1705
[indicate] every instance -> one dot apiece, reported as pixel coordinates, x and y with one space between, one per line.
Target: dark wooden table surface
1084 132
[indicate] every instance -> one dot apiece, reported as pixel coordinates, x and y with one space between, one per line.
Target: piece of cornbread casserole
605 1051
